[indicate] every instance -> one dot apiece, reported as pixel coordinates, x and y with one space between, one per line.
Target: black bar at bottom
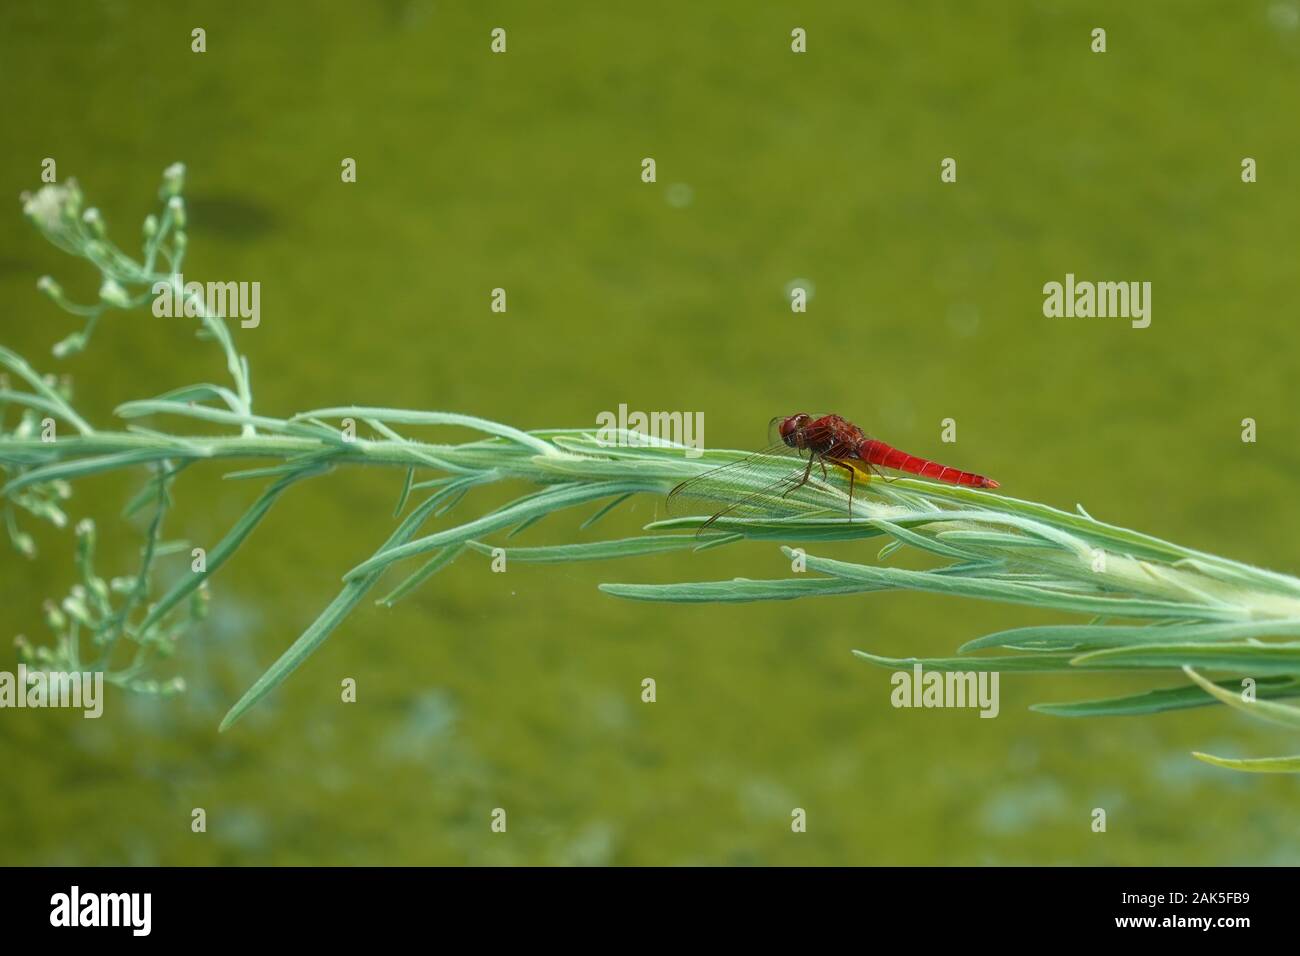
333 906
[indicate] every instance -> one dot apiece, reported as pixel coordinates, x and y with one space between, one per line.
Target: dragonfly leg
882 475
802 481
852 478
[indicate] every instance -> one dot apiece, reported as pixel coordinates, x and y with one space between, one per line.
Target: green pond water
475 171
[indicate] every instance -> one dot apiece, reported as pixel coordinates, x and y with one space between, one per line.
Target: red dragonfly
827 440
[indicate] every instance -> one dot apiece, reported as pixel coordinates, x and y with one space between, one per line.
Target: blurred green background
523 171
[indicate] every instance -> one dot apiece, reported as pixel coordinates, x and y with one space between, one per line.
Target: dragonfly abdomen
887 456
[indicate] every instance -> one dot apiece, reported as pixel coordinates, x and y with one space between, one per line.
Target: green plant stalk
1154 604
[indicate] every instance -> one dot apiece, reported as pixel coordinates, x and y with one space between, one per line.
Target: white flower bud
50 209
94 221
71 345
51 288
74 199
113 293
54 617
173 180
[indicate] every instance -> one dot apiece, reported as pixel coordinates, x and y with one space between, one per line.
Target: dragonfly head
791 429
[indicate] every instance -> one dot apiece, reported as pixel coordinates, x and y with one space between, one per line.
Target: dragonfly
823 440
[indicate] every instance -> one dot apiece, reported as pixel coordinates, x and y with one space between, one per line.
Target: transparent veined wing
770 483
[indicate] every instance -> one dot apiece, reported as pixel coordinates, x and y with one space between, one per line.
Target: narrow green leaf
1257 765
1124 540
408 417
1250 659
604 510
226 547
57 409
709 542
342 605
595 550
921 542
143 407
787 529
1012 592
1260 709
147 494
1020 662
1162 699
406 491
80 467
738 591
996 539
552 500
18 365
524 525
201 392
420 453
431 567
301 649
884 553
1084 635
293 465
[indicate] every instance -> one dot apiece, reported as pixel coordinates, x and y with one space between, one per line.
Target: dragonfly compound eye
789 429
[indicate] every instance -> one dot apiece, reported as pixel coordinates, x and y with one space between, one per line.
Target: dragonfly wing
749 470
754 486
763 501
